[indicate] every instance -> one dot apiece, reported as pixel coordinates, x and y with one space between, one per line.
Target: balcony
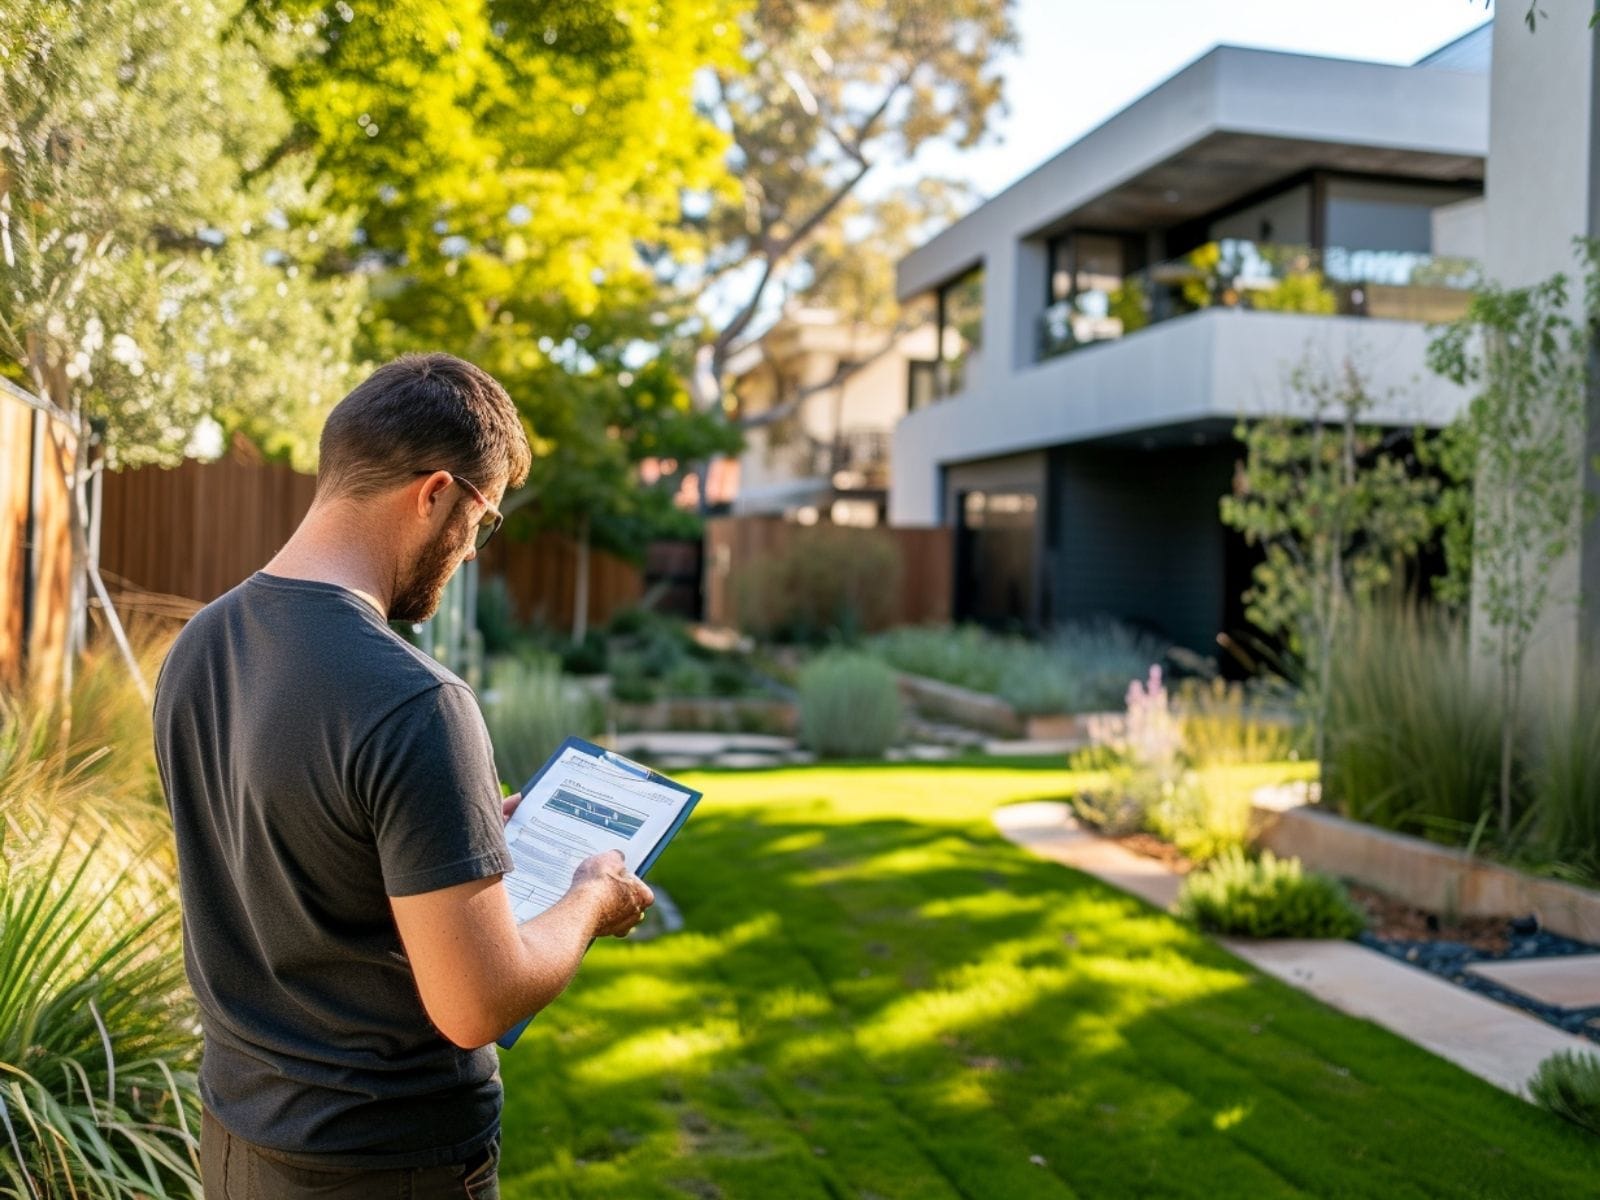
1233 273
855 460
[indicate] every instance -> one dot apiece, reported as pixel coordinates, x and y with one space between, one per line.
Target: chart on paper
582 805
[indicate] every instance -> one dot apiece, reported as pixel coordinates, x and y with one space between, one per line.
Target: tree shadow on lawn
889 1008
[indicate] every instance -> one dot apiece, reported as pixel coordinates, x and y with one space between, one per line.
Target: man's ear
429 493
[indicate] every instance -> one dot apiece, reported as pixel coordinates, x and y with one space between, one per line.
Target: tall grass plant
530 709
1413 739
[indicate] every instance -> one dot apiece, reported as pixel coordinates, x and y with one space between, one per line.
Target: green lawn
877 996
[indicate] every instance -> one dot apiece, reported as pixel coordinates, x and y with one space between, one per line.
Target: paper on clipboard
586 801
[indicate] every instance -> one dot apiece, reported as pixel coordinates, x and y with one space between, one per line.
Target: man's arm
479 973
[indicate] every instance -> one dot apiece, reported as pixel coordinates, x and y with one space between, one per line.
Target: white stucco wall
1541 191
1245 91
1214 364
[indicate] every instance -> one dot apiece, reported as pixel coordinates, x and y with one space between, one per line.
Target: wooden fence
35 542
193 532
927 561
541 575
198 529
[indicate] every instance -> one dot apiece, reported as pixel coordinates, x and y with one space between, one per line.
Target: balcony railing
1234 273
856 460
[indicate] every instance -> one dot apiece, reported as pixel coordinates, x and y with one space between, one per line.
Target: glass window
1090 299
960 330
1365 214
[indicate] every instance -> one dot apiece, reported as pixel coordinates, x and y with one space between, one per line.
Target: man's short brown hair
422 412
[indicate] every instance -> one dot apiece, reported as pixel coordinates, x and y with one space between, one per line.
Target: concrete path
1493 1042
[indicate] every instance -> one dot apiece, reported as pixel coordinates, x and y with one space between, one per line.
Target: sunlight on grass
629 1058
878 995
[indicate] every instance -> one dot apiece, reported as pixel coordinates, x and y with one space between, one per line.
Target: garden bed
707 715
1450 947
992 715
1434 878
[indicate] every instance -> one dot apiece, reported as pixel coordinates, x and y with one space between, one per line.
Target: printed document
584 803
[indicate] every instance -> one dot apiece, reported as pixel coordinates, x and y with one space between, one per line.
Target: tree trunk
580 587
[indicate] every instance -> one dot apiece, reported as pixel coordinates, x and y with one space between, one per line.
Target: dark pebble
1450 960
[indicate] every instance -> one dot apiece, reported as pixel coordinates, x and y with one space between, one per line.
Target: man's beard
418 597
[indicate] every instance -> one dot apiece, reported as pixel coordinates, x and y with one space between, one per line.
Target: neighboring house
819 397
1109 318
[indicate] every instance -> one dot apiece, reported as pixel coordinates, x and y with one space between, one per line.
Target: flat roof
1230 123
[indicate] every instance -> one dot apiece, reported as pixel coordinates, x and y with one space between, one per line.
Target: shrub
1269 898
1080 667
729 677
829 584
1033 685
1223 726
1568 1084
965 656
688 678
1101 657
1412 742
97 1040
849 706
1201 817
630 684
588 657
497 617
531 709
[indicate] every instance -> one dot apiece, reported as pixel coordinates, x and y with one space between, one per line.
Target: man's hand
618 897
508 806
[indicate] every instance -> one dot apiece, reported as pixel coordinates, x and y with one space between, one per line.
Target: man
340 829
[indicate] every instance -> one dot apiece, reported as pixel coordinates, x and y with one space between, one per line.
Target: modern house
1107 321
820 396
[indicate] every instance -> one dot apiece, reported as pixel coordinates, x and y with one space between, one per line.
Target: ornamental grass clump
1413 740
530 709
849 707
98 1041
1268 898
1568 1084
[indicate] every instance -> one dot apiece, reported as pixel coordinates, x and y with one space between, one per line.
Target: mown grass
877 996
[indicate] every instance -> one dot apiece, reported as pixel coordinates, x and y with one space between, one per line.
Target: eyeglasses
492 520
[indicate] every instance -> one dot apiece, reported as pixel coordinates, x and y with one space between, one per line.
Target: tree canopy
513 171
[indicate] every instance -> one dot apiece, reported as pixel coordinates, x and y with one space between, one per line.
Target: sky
1080 61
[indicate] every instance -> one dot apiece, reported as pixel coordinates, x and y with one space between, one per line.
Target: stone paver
1494 1042
924 753
1036 747
1046 827
1569 982
743 760
699 745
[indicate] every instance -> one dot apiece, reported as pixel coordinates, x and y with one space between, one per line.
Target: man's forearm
553 946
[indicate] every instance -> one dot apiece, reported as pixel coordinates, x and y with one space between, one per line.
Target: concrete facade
1543 190
1125 445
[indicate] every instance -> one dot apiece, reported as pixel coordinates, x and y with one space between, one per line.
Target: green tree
1520 439
1335 509
158 269
516 172
827 92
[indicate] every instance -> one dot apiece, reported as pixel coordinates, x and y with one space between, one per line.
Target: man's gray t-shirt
315 765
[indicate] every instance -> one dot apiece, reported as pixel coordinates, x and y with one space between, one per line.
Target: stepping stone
744 761
1036 748
1571 981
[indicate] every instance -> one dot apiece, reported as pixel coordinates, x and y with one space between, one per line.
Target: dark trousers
234 1169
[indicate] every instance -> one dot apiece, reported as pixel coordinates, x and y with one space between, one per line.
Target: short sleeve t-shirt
315 765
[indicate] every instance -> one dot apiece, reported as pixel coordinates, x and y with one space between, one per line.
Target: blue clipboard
625 766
